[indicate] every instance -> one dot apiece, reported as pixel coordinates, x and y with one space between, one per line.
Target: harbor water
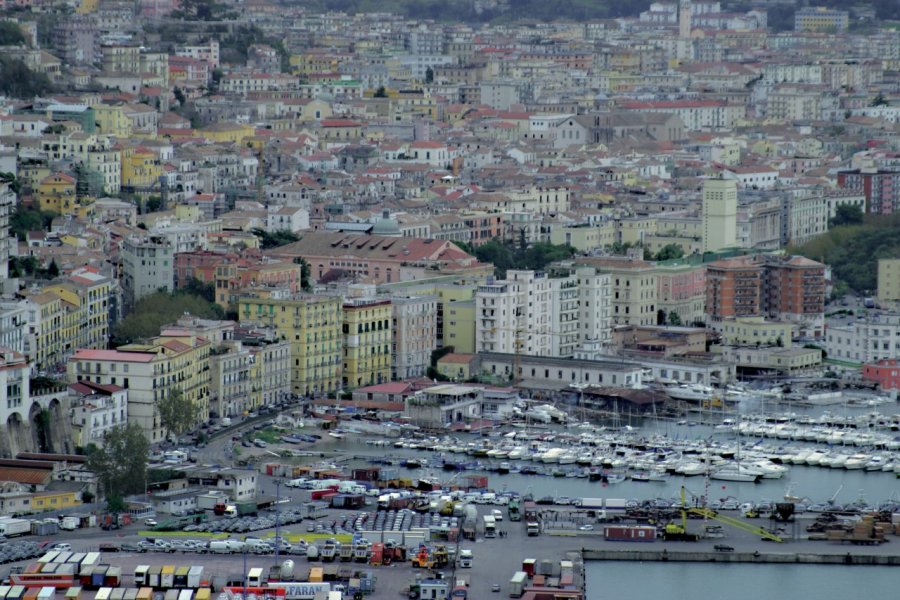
724 581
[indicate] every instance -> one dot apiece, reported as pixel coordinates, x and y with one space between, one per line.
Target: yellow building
56 193
584 237
632 230
111 120
457 367
757 331
42 501
88 6
227 132
367 342
88 295
312 324
889 279
46 316
456 314
141 169
150 372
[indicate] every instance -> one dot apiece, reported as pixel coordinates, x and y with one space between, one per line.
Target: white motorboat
736 472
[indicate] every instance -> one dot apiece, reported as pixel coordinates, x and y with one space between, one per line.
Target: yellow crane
679 531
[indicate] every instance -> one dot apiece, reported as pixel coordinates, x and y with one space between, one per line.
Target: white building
230 379
414 335
541 314
148 265
287 218
865 341
96 410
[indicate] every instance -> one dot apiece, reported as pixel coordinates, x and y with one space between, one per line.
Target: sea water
735 581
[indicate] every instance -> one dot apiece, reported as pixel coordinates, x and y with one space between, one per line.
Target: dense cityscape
372 282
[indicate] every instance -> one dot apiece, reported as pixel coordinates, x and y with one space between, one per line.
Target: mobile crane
679 531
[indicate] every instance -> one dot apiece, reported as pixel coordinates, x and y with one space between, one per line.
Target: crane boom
760 531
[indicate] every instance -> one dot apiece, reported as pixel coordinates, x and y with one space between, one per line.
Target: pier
664 555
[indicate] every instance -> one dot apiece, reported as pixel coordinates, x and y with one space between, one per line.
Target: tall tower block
719 214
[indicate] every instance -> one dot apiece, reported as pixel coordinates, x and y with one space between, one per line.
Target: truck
517 584
240 509
465 558
209 501
490 526
68 523
14 527
514 510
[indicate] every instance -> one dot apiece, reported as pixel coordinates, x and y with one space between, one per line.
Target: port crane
679 531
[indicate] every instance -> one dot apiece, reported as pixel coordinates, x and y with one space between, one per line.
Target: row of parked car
15 551
250 545
246 524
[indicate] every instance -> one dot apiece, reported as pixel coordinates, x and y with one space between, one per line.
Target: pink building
885 372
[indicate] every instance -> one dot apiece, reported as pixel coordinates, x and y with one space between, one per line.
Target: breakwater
664 555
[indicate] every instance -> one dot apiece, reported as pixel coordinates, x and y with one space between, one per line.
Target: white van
219 547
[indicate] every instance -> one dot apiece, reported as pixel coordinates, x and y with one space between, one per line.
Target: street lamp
277 518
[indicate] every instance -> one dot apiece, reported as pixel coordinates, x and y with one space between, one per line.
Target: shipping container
171 595
181 576
69 569
91 558
103 594
517 584
117 594
637 533
153 576
73 593
167 576
113 577
4 589
203 594
76 557
185 594
46 593
140 575
255 577
49 557
316 575
31 593
45 527
84 576
144 593
15 592
528 566
195 575
130 594
98 576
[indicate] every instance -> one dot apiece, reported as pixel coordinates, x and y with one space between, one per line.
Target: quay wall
848 558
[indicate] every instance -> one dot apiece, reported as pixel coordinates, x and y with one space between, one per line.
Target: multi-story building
270 367
820 18
13 325
148 266
368 335
783 288
15 403
414 334
312 325
88 298
230 365
151 372
680 290
56 193
757 331
889 279
880 186
44 339
869 341
885 372
96 410
7 206
634 288
543 314
804 217
719 214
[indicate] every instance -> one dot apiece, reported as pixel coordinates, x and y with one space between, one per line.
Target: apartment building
148 266
230 385
820 18
15 407
96 410
543 314
312 325
634 288
150 372
367 329
783 288
89 299
863 342
414 334
270 369
880 186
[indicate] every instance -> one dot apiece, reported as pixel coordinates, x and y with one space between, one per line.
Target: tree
879 100
18 81
273 239
179 96
121 464
674 319
177 414
846 214
305 275
154 204
53 270
429 75
380 92
11 35
669 252
204 290
12 181
158 309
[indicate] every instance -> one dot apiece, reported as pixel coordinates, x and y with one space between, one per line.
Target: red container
629 534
